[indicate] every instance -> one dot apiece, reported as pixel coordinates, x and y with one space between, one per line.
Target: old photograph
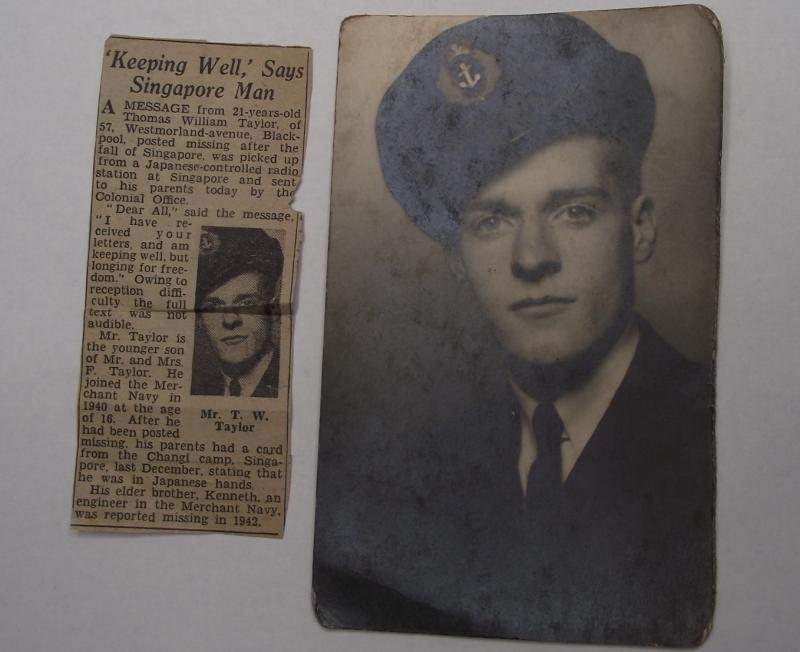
236 301
517 420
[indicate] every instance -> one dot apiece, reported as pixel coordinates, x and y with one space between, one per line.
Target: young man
574 500
237 278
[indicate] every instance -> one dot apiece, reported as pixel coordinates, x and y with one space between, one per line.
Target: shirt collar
582 409
250 380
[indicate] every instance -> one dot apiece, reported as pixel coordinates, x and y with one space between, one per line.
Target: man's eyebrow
558 198
213 301
492 206
247 295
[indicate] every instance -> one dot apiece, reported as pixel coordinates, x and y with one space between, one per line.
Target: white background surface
66 590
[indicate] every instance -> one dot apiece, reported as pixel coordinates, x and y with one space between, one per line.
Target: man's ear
643 225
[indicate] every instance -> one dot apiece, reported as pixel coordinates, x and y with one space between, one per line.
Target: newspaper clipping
183 409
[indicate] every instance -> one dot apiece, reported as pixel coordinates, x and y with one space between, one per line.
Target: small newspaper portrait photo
236 350
517 413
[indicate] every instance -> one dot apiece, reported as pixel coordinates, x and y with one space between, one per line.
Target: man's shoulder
665 376
662 415
268 385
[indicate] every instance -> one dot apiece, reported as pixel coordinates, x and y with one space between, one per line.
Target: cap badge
467 75
209 243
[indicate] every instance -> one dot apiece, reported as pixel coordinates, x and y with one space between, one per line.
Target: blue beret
482 96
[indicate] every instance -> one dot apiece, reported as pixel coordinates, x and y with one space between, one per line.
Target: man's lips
234 339
546 303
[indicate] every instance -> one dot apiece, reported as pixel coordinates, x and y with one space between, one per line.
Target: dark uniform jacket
449 548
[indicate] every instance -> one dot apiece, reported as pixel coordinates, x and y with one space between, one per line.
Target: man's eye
578 214
255 306
487 225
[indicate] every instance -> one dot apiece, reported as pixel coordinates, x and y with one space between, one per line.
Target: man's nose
231 319
536 254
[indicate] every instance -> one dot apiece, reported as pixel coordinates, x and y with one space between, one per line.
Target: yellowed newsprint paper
183 409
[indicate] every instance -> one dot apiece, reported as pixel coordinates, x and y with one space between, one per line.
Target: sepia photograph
518 394
236 350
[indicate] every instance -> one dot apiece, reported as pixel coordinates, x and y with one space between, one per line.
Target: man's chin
549 354
548 377
546 373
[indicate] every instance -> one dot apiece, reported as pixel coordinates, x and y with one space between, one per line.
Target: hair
625 166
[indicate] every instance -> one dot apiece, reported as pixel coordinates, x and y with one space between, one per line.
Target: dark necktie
544 478
235 389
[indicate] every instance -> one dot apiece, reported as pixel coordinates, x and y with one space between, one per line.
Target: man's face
234 319
549 249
